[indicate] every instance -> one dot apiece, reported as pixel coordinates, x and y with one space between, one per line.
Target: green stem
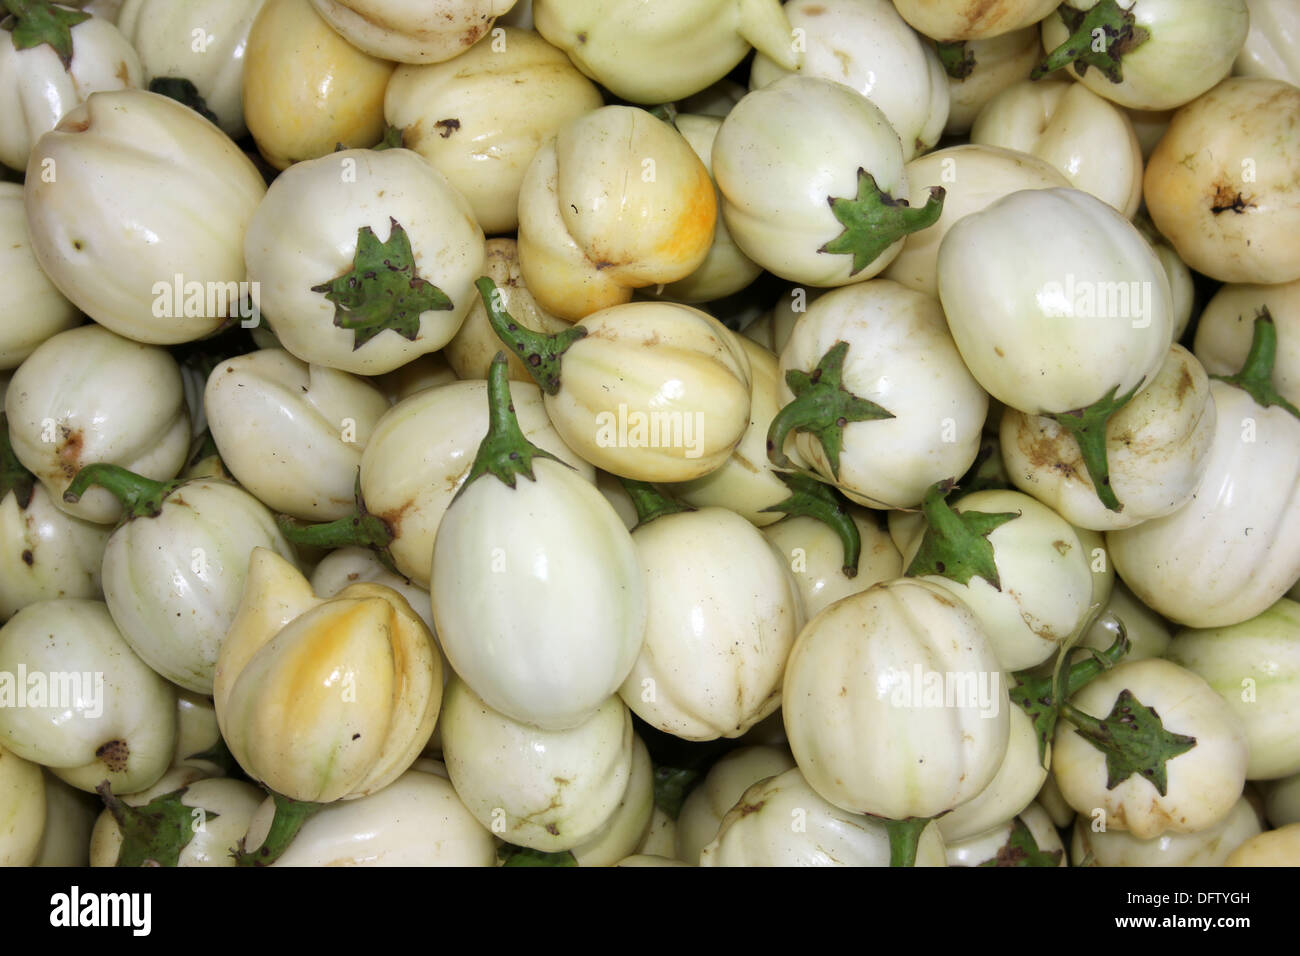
650 502
822 406
13 476
904 838
504 451
539 351
810 498
957 58
361 529
1107 25
1088 426
290 815
1256 375
141 497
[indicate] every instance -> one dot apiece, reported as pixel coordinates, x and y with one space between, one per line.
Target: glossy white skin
1000 61
971 19
666 51
428 371
421 451
628 825
134 709
715 644
1090 140
129 191
66 553
760 831
660 837
292 433
197 733
222 811
855 744
22 810
1273 848
99 398
1147 632
412 31
1044 566
781 154
1272 47
539 595
674 369
305 234
547 789
69 817
866 45
509 94
1180 277
746 482
1012 790
31 308
999 287
1227 324
37 90
902 358
725 270
1208 847
973 177
346 566
1255 667
981 848
1282 801
816 558
173 582
1237 145
163 33
1157 448
417 820
1191 48
721 789
1203 783
1198 566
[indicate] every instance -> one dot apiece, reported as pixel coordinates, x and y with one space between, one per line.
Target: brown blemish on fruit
747 808
1043 452
446 127
114 753
70 451
1226 198
1062 547
1185 384
123 73
28 558
997 351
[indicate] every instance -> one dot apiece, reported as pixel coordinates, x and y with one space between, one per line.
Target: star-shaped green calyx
873 221
156 833
1088 426
39 21
822 407
1021 849
956 544
811 498
1086 46
1133 738
382 291
511 855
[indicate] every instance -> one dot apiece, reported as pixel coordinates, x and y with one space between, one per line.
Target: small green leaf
511 855
1021 849
184 92
1133 739
1088 426
811 498
651 502
13 476
382 291
672 785
1256 375
873 221
822 407
957 58
1099 37
38 21
156 833
956 545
